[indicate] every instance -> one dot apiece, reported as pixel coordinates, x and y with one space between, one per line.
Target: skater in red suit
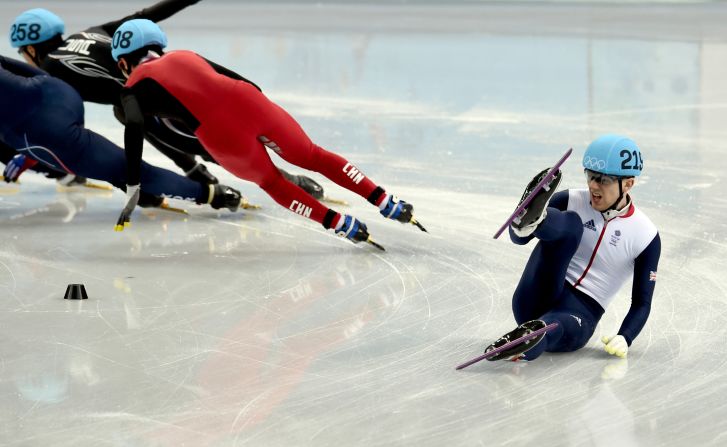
235 122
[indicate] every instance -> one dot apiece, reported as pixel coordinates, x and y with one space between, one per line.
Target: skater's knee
271 181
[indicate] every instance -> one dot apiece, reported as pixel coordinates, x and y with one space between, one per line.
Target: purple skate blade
508 345
537 189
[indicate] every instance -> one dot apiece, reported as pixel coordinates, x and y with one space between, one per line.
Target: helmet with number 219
614 155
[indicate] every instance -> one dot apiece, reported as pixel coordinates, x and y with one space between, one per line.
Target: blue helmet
614 155
135 34
35 26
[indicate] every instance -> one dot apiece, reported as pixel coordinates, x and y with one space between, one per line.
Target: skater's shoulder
577 197
642 219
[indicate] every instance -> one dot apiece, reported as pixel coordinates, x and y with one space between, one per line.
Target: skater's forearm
645 267
133 138
156 13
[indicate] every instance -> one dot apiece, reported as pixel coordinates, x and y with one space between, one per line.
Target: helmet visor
601 179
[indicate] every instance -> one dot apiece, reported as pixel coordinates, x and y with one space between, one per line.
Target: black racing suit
84 61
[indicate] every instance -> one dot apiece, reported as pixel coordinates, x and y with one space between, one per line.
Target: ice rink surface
259 328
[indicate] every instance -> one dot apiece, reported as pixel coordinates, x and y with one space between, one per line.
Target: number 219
628 156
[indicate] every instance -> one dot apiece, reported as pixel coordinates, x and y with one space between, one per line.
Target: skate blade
249 206
94 186
98 186
420 226
375 244
333 201
166 207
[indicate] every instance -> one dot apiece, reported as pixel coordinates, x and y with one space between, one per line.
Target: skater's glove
616 345
16 166
132 198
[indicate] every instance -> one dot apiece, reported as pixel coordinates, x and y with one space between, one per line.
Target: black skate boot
307 184
519 349
147 200
226 197
353 230
200 174
526 223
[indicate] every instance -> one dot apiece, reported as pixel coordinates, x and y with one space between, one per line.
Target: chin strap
620 196
613 212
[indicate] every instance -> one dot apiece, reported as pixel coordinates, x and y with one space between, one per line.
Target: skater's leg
577 317
286 138
254 165
83 152
542 281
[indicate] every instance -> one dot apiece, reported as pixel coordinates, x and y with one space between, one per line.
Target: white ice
259 328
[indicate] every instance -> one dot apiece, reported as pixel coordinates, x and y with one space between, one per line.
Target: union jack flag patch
652 276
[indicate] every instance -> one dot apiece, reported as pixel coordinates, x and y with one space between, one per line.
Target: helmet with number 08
614 155
35 26
135 34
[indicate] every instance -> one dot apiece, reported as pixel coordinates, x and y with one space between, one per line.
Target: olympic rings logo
593 163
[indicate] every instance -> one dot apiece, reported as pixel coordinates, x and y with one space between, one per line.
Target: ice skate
72 180
400 211
356 231
200 174
305 183
515 352
225 197
527 221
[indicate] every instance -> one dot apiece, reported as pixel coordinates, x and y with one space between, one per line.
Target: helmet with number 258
35 26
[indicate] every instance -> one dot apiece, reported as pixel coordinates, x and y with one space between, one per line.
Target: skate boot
225 197
72 180
353 229
525 224
200 174
515 352
396 209
307 184
147 200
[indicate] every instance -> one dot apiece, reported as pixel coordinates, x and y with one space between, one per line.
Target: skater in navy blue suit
590 242
42 119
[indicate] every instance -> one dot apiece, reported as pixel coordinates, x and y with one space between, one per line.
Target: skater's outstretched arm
133 137
642 291
155 13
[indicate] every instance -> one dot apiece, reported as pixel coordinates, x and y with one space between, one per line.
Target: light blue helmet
614 155
35 26
135 34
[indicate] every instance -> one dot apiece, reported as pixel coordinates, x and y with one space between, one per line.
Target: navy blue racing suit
43 117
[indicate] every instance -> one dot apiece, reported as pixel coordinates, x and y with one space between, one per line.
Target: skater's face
604 190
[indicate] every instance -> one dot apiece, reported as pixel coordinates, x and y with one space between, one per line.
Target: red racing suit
235 122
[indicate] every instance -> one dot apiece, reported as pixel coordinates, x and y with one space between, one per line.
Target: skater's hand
616 345
132 198
16 166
